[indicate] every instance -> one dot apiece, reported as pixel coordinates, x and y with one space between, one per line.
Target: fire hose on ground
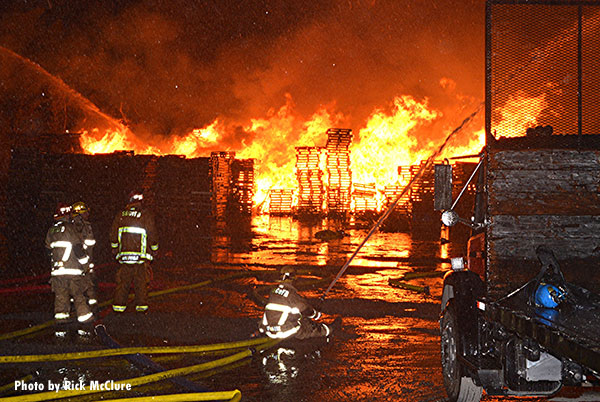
231 396
146 364
35 328
132 350
137 381
397 283
11 386
428 274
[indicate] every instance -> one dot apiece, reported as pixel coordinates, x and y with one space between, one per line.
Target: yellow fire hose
11 386
399 284
163 386
428 274
198 396
47 324
133 382
218 370
130 351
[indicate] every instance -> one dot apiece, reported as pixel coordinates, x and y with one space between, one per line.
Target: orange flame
388 139
518 114
274 146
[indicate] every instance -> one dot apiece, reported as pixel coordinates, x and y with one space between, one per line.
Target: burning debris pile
324 186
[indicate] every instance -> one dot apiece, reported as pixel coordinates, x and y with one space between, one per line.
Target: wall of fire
325 186
187 195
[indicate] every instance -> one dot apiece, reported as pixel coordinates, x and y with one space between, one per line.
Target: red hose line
31 278
45 288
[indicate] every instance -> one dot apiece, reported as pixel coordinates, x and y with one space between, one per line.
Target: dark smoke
165 67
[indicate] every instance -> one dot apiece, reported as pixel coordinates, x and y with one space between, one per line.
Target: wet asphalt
387 348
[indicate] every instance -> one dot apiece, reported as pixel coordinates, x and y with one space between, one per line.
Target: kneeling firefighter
287 314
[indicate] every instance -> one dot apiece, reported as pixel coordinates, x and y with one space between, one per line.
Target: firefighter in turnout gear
134 244
80 213
68 261
287 314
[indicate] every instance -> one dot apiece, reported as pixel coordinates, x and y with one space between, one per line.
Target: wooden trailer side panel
543 196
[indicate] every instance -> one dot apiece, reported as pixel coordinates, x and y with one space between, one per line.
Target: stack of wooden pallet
391 192
364 197
423 186
280 201
460 175
404 174
243 184
220 173
310 180
339 186
150 173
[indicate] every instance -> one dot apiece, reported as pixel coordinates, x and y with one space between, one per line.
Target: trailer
535 222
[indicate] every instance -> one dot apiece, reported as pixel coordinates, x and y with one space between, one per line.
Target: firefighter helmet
79 208
62 211
288 273
548 296
136 196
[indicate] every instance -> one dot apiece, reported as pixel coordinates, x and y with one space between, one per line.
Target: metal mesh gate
542 68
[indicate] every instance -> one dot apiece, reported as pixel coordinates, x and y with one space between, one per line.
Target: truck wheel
459 387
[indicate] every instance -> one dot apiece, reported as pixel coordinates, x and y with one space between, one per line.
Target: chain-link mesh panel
543 67
590 70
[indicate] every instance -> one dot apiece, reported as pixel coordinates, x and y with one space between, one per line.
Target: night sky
166 67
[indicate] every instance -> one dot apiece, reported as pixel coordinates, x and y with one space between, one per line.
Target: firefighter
287 314
134 244
68 259
81 213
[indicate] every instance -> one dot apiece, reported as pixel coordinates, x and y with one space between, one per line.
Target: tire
459 386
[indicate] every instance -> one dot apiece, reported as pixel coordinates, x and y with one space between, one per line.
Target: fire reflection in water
284 240
279 366
286 366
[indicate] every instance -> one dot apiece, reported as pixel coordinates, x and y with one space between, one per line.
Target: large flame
275 139
389 138
192 145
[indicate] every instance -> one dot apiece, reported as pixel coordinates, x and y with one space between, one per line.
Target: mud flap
517 370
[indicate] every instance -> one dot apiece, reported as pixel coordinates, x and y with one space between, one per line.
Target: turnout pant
66 287
311 329
138 274
90 290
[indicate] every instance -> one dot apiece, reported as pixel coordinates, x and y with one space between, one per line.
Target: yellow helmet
79 208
